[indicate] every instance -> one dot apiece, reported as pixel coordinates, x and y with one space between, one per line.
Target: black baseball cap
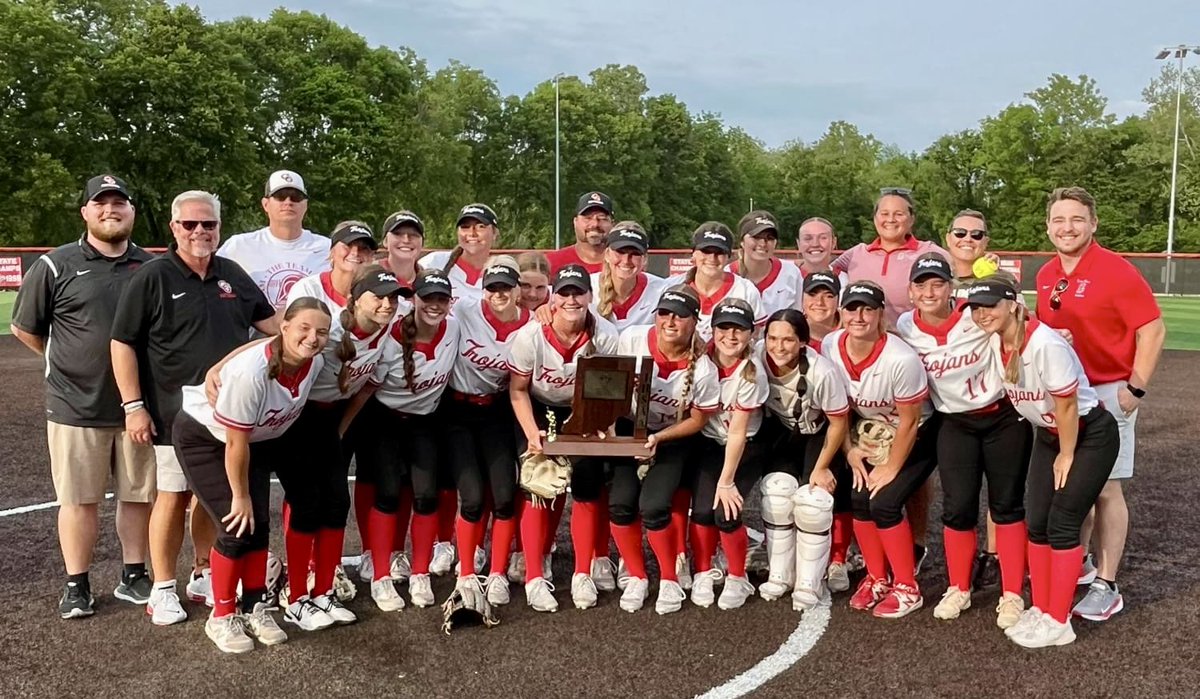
681 304
628 234
733 312
594 200
713 234
756 223
350 232
430 282
572 275
825 279
479 212
989 292
381 284
869 296
931 264
501 274
105 183
403 218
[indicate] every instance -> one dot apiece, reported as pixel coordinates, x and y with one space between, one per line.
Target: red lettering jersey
1106 300
780 288
958 359
738 395
538 353
484 349
824 393
891 375
567 256
1049 367
669 386
432 363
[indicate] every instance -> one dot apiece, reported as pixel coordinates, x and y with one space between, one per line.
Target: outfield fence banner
11 271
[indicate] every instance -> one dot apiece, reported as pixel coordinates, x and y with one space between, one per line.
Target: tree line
158 95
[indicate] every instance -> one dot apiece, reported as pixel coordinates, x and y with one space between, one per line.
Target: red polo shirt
569 255
1107 299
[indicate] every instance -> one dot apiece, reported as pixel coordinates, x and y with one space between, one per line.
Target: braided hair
799 325
696 350
346 351
304 303
408 340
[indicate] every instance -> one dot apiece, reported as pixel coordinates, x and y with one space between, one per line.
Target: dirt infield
1145 651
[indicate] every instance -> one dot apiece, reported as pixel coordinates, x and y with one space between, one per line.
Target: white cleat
583 591
735 593
683 571
538 593
480 562
516 568
331 605
199 589
636 590
603 574
1045 632
400 567
622 574
229 633
497 590
420 590
670 597
704 587
164 607
383 591
1028 618
772 590
443 558
838 577
343 586
366 567
307 615
1009 610
954 602
263 626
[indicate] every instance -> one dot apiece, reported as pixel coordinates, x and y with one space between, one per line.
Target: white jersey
432 363
1049 368
891 375
738 395
484 349
639 308
538 353
466 282
780 288
734 287
274 264
319 286
249 401
958 359
669 379
824 393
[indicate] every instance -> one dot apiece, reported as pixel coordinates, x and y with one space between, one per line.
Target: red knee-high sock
1064 574
898 544
403 517
1039 575
960 555
447 512
364 501
383 530
666 549
299 546
681 501
503 533
629 545
1011 540
424 533
328 552
735 544
555 518
534 522
843 530
704 545
469 535
225 575
601 543
584 516
867 535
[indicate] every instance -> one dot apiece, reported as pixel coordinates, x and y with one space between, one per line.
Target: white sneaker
622 574
164 608
497 590
772 590
1009 610
480 562
603 574
262 626
443 558
401 568
199 589
735 593
538 594
670 597
229 633
516 567
1087 571
683 571
636 590
383 591
331 605
838 577
366 567
1044 633
583 591
954 602
343 587
420 590
703 587
720 562
306 615
1028 618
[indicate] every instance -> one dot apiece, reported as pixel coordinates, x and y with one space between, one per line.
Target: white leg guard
777 492
813 514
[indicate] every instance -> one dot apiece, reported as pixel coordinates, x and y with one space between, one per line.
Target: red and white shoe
902 600
869 592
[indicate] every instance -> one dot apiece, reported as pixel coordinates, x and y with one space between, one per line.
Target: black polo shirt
69 295
182 324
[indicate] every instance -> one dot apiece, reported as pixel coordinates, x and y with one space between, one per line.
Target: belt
473 399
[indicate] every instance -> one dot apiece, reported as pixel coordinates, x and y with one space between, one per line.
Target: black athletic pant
796 454
970 445
362 439
588 474
710 460
1055 516
322 460
407 454
672 467
886 509
478 442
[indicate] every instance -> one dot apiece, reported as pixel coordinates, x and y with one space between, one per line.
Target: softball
984 267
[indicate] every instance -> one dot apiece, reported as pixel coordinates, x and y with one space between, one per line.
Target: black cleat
76 602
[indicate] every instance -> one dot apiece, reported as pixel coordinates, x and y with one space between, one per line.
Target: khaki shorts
83 458
170 478
1107 392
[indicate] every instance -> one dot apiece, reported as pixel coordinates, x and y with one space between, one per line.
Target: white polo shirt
824 393
890 376
738 395
958 358
275 265
780 288
249 401
466 282
733 287
638 309
484 349
1049 368
537 353
670 377
432 363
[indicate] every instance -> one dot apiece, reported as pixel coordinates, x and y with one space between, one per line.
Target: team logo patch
595 198
498 269
860 290
286 177
385 277
280 279
731 309
928 263
109 181
625 233
570 273
818 277
764 221
670 296
226 289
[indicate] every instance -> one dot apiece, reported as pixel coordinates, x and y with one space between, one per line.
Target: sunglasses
294 197
206 225
895 191
975 234
1056 295
663 313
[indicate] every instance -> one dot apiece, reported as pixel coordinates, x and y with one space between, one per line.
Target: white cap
285 179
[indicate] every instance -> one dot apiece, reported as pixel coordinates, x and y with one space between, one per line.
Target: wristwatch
1138 393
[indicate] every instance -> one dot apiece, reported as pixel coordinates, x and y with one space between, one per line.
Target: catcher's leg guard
777 492
813 514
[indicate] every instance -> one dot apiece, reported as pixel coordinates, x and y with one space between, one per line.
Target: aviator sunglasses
190 226
975 234
1056 296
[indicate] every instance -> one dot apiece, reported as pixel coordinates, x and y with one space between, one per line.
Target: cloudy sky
784 69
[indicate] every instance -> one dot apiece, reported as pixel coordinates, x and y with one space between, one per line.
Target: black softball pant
971 445
589 474
478 442
710 460
796 454
314 435
406 454
651 497
1055 516
886 509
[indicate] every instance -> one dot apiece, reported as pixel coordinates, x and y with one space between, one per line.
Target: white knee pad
813 515
777 507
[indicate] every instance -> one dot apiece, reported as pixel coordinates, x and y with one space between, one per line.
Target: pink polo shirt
870 262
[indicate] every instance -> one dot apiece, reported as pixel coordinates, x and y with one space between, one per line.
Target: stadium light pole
1178 52
557 188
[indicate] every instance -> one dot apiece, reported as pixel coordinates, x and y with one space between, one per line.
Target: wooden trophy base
579 445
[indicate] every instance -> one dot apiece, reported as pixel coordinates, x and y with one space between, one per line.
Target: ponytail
608 291
456 253
741 261
408 341
694 353
1012 368
275 363
345 349
589 327
691 275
